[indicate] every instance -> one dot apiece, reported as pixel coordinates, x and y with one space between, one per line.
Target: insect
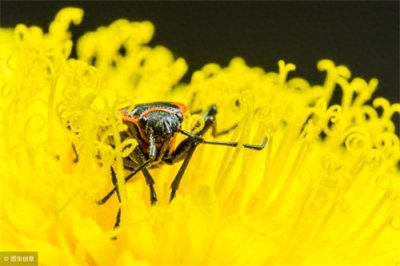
155 127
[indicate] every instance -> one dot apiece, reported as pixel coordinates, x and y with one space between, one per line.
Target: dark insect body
155 127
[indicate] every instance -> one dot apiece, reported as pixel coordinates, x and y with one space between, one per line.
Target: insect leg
115 182
175 183
210 122
149 179
127 178
129 164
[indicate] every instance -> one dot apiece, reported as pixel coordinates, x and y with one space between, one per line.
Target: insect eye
142 122
180 116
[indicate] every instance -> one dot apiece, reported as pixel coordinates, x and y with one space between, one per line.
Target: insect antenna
258 147
200 139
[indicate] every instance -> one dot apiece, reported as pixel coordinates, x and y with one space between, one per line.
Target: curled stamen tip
286 67
331 163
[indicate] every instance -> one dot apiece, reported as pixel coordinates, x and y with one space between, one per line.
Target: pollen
324 190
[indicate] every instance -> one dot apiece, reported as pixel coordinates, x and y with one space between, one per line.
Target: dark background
362 35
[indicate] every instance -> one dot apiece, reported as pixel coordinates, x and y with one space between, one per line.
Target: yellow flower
324 191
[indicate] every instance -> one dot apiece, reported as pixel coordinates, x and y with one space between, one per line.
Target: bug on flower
155 127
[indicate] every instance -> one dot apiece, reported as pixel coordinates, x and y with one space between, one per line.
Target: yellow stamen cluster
324 191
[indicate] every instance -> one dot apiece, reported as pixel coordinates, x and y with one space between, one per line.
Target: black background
362 35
